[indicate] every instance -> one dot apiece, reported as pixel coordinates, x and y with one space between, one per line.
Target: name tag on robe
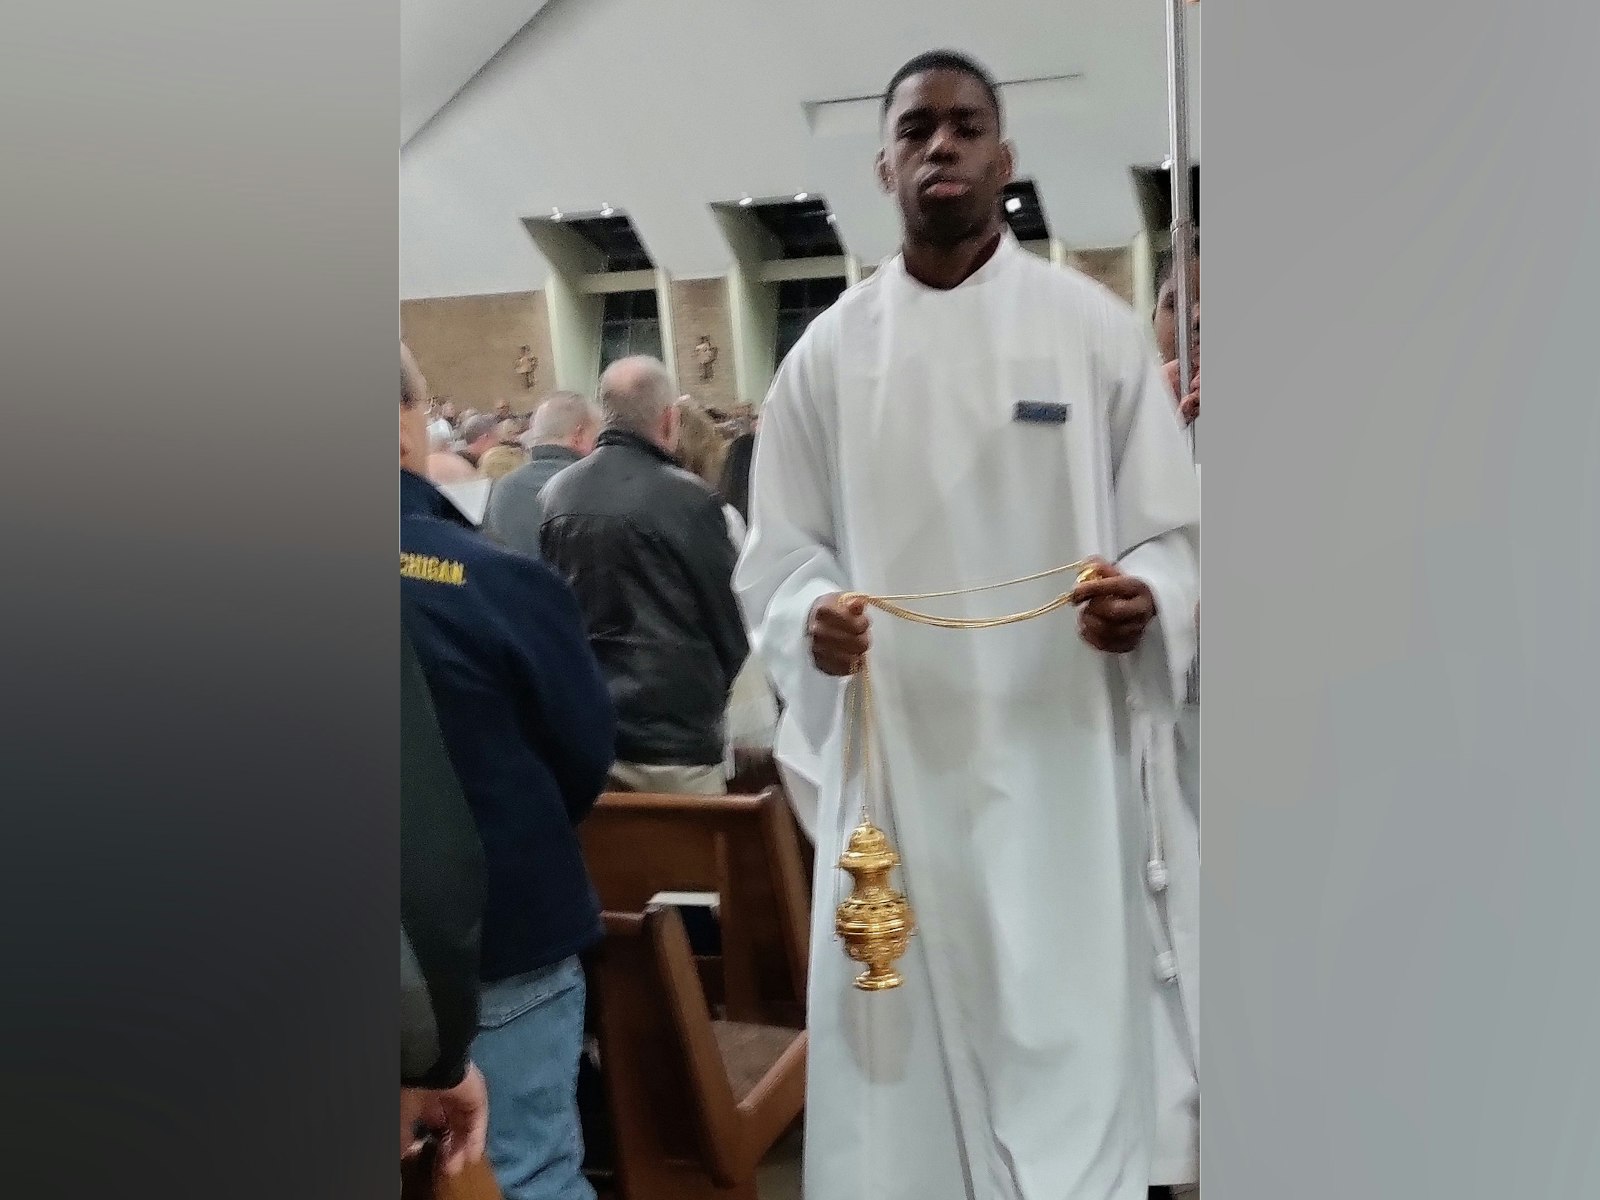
1037 412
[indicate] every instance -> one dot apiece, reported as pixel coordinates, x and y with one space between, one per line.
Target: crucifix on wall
706 355
527 367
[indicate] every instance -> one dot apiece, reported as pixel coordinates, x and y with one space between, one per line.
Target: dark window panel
629 324
616 239
1027 221
801 301
801 227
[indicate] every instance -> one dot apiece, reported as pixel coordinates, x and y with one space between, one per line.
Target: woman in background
735 482
701 451
752 710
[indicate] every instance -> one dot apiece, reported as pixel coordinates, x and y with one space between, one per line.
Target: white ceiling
664 108
442 45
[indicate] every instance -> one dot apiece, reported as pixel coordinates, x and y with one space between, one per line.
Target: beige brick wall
700 306
1112 267
468 347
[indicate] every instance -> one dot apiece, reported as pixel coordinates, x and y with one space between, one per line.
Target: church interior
590 178
586 183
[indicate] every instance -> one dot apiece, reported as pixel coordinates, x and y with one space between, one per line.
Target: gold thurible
875 921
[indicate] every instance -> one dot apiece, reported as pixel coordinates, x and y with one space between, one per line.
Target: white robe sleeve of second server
1157 505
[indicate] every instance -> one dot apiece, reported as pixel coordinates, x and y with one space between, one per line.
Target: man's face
1167 317
943 159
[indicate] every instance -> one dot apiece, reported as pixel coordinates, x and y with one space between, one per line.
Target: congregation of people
635 594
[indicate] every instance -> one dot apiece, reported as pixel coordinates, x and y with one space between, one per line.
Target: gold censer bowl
875 921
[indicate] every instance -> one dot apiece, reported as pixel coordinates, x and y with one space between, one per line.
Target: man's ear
669 428
881 167
1008 162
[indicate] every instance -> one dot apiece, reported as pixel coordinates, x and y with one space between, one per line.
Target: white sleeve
736 529
1156 499
791 556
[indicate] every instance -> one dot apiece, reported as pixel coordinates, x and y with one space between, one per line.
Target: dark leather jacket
645 546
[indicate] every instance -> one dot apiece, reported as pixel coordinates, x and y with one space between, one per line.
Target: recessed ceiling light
1014 204
606 210
801 197
746 201
555 214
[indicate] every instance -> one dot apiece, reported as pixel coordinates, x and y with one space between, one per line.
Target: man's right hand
838 634
1189 406
459 1115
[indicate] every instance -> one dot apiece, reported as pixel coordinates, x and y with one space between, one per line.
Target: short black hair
942 60
1165 263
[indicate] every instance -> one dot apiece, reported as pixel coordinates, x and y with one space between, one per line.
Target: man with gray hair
480 433
646 549
564 429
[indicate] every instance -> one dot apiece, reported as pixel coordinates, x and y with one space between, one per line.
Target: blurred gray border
198 321
1402 503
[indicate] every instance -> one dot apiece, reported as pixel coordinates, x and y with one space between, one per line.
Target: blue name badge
1037 412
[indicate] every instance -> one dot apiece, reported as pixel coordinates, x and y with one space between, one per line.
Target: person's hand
838 634
412 1101
1189 406
1114 609
1189 409
460 1115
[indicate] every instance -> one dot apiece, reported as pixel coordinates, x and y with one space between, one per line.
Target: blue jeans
530 1034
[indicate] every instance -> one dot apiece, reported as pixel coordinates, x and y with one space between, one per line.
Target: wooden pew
757 771
745 849
474 1183
421 1180
695 1102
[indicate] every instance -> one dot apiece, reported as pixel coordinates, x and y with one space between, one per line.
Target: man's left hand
1114 609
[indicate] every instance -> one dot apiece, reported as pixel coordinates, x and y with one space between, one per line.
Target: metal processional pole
1182 209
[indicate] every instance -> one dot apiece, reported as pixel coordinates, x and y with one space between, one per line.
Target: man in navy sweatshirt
529 727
